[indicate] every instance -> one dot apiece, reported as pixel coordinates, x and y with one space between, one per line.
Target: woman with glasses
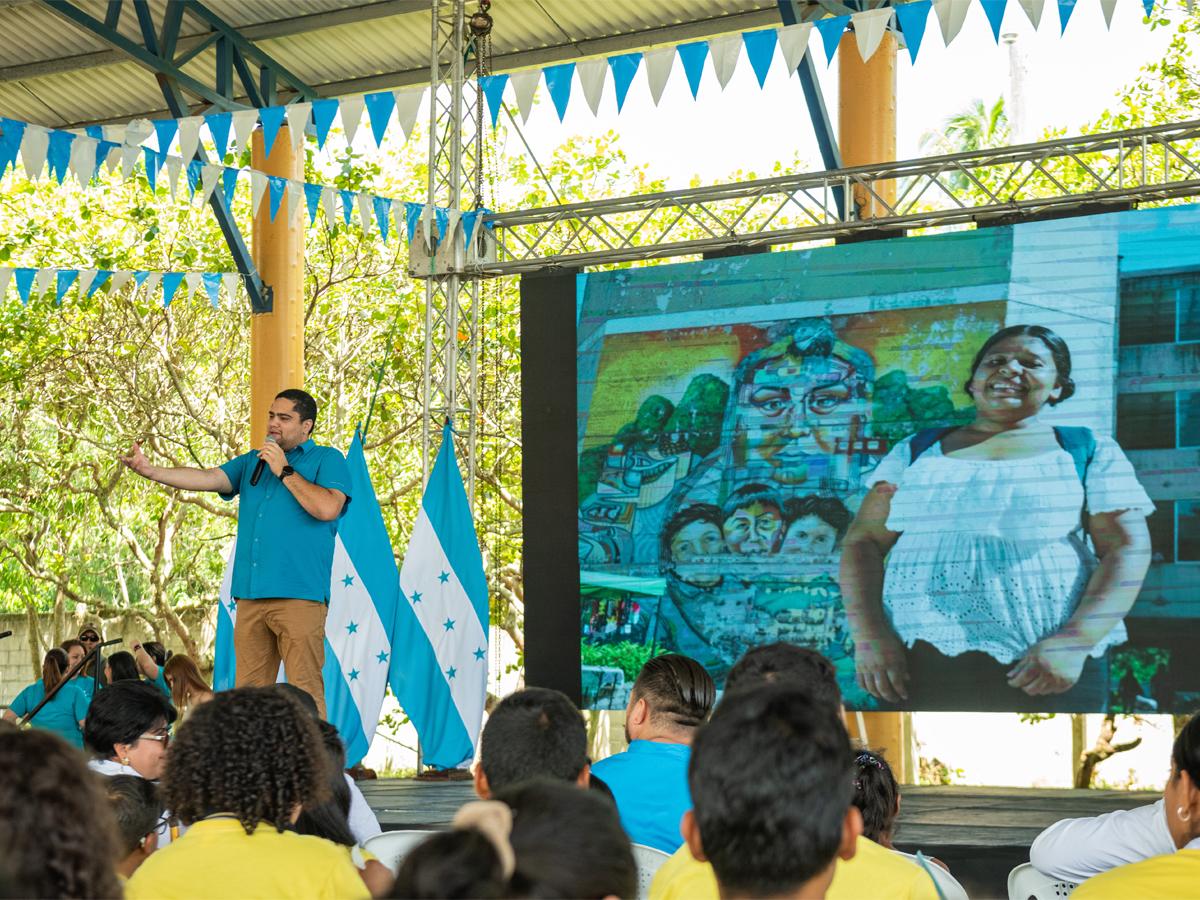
65 712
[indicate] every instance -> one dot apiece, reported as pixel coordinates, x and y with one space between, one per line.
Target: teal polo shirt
282 551
61 715
649 783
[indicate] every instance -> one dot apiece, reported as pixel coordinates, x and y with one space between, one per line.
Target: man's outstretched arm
182 478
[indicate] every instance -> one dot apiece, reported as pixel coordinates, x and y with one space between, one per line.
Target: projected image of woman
990 596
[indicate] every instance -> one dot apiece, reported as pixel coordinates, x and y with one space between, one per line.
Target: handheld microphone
258 469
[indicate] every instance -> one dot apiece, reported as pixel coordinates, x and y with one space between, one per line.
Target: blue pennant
165 129
383 215
911 17
441 218
58 154
62 283
493 91
348 199
1148 5
994 10
170 284
831 32
312 196
271 118
624 67
379 111
154 162
102 276
140 277
193 175
1065 8
558 83
760 47
102 151
412 216
323 112
212 286
94 131
468 223
229 181
218 127
11 133
277 186
692 56
24 279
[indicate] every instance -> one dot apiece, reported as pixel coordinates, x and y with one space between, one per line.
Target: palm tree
976 127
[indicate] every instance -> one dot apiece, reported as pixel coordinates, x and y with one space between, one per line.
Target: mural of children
690 543
815 525
753 520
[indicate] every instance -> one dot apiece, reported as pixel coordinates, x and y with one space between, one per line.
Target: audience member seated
139 813
532 733
57 835
329 819
874 871
75 654
128 729
1139 862
241 769
671 697
770 777
121 667
67 709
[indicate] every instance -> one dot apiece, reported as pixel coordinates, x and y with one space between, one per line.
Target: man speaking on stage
293 491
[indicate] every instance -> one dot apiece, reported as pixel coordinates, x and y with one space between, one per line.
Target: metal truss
1059 177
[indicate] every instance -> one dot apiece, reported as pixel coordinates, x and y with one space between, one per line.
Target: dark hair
695 512
784 663
678 690
748 494
305 405
250 752
136 806
123 667
829 510
123 712
877 795
299 696
1185 753
158 652
330 819
54 666
770 778
1059 352
568 843
534 732
449 865
57 835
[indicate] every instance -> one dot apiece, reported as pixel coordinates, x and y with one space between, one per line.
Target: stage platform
979 832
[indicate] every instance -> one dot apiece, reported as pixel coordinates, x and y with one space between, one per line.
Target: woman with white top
991 596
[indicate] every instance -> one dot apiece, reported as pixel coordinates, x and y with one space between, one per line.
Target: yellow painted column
277 337
867 134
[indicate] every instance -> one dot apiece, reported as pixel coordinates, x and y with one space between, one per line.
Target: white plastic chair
390 847
1027 883
648 861
948 887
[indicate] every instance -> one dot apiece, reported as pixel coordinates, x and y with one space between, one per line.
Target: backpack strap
924 439
1080 443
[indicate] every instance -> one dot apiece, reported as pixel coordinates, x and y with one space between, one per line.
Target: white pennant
193 281
525 85
5 276
119 280
137 131
209 176
659 64
83 158
364 212
174 168
42 282
115 156
232 281
592 73
352 110
951 15
151 285
130 154
295 199
1108 6
115 133
258 186
189 136
869 27
1033 10
400 215
86 277
244 123
408 104
793 41
34 145
297 119
725 51
329 205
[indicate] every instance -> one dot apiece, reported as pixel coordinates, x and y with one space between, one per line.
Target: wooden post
277 337
867 134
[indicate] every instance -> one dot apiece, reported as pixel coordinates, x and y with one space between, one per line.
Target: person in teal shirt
65 713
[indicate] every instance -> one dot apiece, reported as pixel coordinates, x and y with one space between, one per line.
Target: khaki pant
268 632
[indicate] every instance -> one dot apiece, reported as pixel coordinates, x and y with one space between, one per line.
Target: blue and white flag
363 600
439 674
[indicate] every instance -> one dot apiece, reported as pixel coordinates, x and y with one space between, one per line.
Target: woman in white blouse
991 597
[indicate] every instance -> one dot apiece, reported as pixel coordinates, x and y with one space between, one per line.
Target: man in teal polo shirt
284 554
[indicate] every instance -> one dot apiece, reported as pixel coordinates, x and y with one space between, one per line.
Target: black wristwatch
285 472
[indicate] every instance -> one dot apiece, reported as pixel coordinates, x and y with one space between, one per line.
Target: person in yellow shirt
238 773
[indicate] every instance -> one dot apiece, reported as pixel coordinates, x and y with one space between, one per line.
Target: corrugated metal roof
56 73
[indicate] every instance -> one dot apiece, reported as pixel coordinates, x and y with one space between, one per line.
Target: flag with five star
441 633
363 598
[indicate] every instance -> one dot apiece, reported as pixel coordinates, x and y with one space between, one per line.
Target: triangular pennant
408 104
58 153
139 278
244 123
831 28
108 154
83 159
323 113
154 162
297 119
98 282
86 277
119 280
271 118
258 185
41 283
34 146
911 18
951 14
218 128
468 223
192 284
659 63
189 136
592 73
295 199
5 277
209 176
1148 5
726 51
525 85
63 280
348 199
1107 7
493 91
1065 8
129 156
170 284
94 131
692 56
195 169
869 27
329 206
364 212
151 284
441 217
278 185
760 47
312 197
624 67
25 283
165 131
174 169
137 130
232 282
793 44
352 110
412 215
558 83
398 214
212 286
994 10
11 132
379 111
383 215
229 179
